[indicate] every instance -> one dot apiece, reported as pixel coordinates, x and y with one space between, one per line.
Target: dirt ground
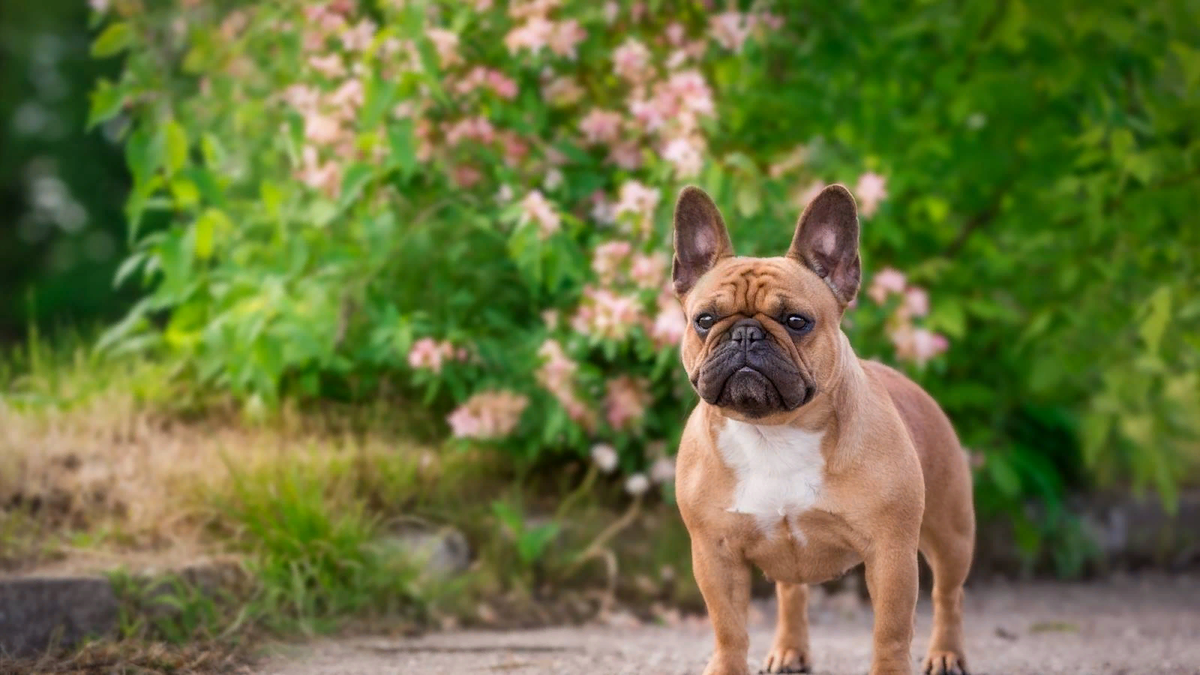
1127 625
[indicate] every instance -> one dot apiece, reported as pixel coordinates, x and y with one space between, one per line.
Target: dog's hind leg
947 548
789 651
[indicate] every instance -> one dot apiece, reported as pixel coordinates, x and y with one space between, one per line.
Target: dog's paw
784 659
944 663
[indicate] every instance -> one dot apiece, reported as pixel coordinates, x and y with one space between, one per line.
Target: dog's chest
779 470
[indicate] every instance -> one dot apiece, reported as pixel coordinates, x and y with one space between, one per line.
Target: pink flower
465 175
631 61
535 209
767 20
504 86
326 177
675 33
887 281
488 415
534 34
605 457
652 112
329 65
918 344
871 189
445 43
685 155
321 129
626 399
602 210
359 37
626 155
99 6
611 11
605 314
562 91
810 193
515 149
521 9
553 180
303 98
637 203
609 258
670 324
470 128
565 36
663 470
916 302
429 354
557 375
692 91
601 126
730 30
637 484
349 96
649 271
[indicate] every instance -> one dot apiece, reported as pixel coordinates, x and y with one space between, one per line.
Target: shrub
471 201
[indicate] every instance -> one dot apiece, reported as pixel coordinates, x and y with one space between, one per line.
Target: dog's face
764 336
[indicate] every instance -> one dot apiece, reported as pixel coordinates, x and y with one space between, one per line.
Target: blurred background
409 261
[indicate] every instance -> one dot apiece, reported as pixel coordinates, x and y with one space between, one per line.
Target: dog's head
764 334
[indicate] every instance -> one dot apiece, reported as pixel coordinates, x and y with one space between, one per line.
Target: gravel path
1128 626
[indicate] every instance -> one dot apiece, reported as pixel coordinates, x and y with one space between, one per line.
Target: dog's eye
705 321
799 324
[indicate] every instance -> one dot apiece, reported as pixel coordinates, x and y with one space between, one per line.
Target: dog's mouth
755 394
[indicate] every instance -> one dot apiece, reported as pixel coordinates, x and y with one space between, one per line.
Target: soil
1126 625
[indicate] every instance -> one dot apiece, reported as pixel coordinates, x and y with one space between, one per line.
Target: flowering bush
471 201
474 199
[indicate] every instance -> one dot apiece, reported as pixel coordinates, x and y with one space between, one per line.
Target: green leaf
272 198
112 40
177 146
353 183
404 154
107 101
144 154
128 267
1158 314
185 193
749 200
1004 476
208 226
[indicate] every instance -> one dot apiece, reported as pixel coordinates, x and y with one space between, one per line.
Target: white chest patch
779 471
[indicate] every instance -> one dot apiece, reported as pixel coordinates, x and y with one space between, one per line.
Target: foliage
313 561
61 188
470 203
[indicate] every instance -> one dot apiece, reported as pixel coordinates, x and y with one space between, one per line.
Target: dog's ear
700 238
826 241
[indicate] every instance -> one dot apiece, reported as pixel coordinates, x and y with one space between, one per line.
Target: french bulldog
801 458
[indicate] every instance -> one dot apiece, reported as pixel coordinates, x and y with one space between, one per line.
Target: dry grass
118 479
131 656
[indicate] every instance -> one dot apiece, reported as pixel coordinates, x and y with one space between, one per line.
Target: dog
802 459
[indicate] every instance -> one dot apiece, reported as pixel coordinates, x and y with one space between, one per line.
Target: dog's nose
747 331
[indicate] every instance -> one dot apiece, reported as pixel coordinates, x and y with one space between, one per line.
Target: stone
37 612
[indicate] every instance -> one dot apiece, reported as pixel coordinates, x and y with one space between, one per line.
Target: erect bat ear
826 241
700 238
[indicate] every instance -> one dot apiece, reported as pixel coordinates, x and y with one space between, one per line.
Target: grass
126 468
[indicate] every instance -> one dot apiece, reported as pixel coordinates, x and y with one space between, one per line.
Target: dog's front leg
724 580
892 583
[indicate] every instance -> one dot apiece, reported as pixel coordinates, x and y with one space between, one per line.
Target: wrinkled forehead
759 285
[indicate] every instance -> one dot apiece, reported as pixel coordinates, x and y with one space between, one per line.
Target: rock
438 553
36 612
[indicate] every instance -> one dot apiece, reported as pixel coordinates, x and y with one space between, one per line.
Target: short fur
802 459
